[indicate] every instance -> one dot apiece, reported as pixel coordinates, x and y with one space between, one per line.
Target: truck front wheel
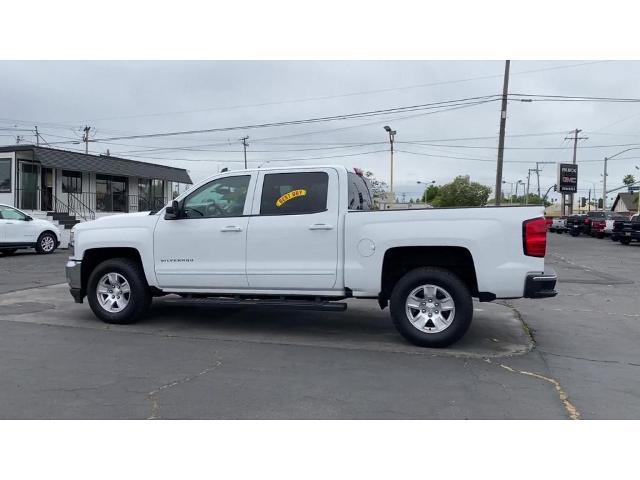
118 292
431 307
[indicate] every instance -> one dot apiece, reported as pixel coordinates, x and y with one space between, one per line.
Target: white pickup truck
307 237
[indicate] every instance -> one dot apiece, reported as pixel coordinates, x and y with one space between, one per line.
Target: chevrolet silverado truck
307 238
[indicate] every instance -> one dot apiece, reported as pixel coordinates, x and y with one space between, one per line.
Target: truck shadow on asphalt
496 330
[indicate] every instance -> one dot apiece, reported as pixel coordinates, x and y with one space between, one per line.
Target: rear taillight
586 221
534 237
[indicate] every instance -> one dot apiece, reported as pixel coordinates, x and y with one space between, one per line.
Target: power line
409 108
440 106
343 95
544 97
330 145
301 159
486 147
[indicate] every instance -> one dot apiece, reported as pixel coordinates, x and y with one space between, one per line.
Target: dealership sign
567 178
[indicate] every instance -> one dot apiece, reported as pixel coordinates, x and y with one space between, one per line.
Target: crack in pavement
617 362
153 394
570 408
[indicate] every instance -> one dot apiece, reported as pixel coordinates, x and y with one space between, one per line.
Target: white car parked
19 230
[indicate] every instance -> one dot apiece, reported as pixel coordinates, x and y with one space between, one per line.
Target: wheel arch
400 260
94 256
48 230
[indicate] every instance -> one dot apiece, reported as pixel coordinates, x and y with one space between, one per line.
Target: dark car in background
625 231
577 224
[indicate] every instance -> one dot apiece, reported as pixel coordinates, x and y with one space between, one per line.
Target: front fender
139 238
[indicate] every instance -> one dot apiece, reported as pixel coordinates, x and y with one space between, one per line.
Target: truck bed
492 235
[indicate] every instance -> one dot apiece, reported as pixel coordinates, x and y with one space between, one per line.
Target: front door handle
231 228
321 226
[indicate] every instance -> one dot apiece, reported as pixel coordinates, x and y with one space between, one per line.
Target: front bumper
73 270
541 285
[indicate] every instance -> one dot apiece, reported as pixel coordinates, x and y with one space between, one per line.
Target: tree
629 179
462 193
430 193
533 199
379 188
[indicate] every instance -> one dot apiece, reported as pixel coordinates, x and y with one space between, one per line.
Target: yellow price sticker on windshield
288 196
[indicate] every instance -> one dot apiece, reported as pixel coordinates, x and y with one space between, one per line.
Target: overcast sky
128 98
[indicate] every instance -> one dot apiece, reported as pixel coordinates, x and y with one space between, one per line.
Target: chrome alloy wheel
47 243
430 308
113 292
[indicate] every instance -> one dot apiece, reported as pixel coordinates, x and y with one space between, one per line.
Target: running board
264 303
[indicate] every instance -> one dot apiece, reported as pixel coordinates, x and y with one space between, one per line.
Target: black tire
600 235
574 233
625 241
439 277
8 251
47 243
139 296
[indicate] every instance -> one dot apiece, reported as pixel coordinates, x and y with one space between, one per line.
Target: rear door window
294 193
359 195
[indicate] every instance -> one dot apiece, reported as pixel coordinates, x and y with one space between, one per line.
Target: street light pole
510 190
519 182
604 175
392 134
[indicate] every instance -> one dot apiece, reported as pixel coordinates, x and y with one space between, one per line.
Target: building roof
53 157
629 201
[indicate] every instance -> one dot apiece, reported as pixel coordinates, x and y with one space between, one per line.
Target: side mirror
28 218
172 212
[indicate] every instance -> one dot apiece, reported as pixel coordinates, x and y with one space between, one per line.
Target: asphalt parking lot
573 356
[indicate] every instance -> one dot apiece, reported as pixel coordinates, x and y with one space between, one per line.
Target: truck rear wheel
625 241
118 292
431 307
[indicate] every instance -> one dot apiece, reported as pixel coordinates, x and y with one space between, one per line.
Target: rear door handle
321 226
231 228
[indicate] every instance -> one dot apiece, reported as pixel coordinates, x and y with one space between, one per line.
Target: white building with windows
70 187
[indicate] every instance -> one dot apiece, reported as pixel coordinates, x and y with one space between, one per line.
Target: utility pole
575 139
503 125
392 136
245 145
526 201
538 177
85 139
604 185
37 137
